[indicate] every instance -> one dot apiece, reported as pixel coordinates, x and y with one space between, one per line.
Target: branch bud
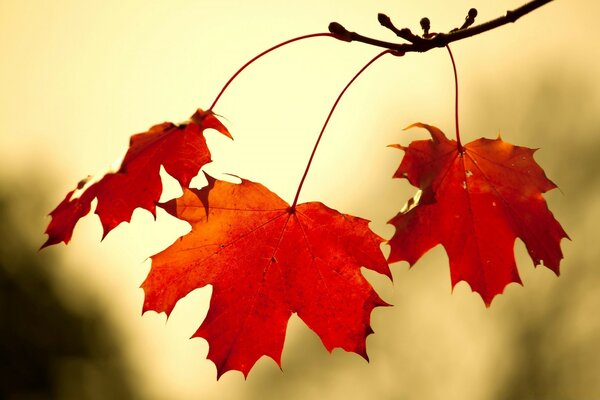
469 19
340 32
425 25
384 20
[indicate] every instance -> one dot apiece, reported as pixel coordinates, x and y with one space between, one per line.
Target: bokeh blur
49 348
77 78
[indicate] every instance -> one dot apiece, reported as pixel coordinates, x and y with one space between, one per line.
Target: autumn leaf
180 149
475 203
266 261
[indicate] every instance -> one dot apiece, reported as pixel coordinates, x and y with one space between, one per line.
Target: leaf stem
243 67
312 155
460 147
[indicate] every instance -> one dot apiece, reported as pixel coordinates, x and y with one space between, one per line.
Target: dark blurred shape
555 339
534 375
46 349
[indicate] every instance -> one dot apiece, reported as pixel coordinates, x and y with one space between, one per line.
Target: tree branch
430 41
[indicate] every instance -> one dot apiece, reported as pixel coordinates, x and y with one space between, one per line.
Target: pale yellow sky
77 78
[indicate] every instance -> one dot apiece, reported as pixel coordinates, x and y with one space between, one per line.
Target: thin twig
440 39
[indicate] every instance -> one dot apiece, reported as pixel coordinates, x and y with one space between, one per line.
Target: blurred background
78 78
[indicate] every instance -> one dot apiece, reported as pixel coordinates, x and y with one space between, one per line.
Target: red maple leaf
266 261
475 202
180 149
